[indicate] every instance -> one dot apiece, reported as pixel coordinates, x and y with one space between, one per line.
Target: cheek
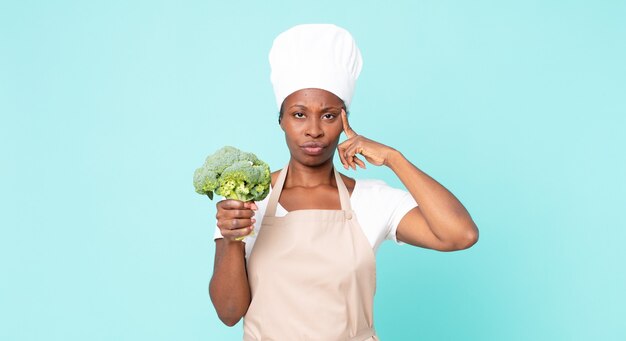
334 133
287 128
291 132
337 128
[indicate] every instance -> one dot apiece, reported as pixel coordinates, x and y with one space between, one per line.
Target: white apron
312 275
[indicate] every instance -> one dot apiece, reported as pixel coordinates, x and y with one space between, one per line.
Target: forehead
313 97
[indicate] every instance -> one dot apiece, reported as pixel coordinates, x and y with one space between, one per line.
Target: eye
298 115
329 116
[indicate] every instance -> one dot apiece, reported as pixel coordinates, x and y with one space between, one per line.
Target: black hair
280 112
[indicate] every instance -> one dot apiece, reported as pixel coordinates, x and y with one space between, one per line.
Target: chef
306 269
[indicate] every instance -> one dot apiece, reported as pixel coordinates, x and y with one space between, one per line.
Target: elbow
229 316
229 320
470 239
470 242
464 242
228 311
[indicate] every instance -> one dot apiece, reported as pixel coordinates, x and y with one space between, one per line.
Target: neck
300 175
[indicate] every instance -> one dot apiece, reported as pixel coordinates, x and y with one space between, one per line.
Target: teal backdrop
107 108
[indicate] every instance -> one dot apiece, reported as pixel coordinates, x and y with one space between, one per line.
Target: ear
280 117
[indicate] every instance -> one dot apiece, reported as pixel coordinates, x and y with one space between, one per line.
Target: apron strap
344 195
270 211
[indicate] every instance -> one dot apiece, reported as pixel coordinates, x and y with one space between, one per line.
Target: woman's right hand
235 218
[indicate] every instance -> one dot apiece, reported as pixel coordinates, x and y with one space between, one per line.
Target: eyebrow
326 109
298 105
305 107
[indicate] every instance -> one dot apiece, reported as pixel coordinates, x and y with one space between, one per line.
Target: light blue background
517 107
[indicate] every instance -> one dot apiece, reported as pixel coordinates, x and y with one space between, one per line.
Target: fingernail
253 220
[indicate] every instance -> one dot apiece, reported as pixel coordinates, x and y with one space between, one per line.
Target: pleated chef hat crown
322 56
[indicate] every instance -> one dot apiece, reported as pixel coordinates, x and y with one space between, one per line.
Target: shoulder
370 191
349 182
274 176
372 186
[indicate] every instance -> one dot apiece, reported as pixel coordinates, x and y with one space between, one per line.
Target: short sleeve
402 206
217 234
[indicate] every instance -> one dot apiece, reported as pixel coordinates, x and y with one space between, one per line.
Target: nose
314 129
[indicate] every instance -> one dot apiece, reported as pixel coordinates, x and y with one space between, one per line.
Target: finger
237 214
239 233
235 224
341 150
231 204
228 213
359 162
351 152
343 160
251 205
354 149
350 159
346 126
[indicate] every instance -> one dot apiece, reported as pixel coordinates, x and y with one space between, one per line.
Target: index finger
346 126
232 204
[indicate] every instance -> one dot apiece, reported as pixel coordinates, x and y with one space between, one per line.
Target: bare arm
229 289
440 222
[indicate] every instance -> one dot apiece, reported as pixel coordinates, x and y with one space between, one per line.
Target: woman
309 271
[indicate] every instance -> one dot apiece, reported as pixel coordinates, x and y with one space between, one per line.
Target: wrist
393 158
233 243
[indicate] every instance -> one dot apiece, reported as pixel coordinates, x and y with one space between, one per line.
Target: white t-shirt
377 206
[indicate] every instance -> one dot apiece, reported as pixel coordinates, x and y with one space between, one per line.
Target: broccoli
233 174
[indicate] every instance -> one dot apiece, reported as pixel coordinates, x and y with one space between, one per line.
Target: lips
313 148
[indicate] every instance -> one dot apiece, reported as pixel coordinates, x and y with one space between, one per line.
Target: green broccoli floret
233 174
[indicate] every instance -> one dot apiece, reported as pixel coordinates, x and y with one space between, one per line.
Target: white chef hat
322 56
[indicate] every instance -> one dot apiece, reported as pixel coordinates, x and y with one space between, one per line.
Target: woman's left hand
375 153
